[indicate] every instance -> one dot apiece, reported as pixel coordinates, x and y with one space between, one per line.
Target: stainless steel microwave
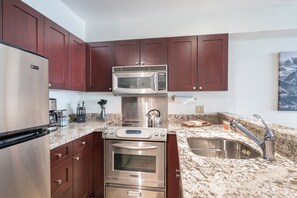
139 80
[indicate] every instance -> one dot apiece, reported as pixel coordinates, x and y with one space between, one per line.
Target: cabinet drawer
61 178
81 143
61 153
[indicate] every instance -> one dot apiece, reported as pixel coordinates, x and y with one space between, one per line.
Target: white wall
253 74
60 14
189 22
69 100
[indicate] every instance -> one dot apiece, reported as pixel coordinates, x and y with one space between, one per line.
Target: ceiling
90 10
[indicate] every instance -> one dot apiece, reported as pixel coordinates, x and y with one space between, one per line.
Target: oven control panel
135 133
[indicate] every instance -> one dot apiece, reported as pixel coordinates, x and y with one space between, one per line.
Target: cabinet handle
136 63
194 88
142 63
59 181
109 89
59 155
83 143
177 171
49 84
200 88
76 158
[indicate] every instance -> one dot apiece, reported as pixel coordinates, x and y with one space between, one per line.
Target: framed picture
287 81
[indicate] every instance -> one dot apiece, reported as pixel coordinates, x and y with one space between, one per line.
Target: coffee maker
62 117
52 115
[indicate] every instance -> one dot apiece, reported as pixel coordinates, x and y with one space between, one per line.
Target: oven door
135 163
134 83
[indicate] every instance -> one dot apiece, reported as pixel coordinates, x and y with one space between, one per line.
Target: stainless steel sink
221 148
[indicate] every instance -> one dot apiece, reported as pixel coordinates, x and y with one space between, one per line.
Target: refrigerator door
23 90
25 167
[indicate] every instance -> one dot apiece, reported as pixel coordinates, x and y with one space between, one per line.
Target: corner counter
73 131
214 177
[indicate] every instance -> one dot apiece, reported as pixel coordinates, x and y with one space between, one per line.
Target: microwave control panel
162 81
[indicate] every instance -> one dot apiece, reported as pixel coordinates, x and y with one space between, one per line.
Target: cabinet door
56 49
61 179
97 168
1 3
153 51
22 26
81 174
182 63
213 62
77 64
127 52
173 175
100 58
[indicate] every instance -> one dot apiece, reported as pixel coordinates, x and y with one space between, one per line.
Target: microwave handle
125 146
156 81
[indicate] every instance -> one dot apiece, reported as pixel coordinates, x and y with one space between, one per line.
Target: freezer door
25 169
23 90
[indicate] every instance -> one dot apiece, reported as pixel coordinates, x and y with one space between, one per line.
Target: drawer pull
134 193
59 181
76 158
177 173
83 143
59 155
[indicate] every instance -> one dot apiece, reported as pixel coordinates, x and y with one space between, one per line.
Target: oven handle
125 146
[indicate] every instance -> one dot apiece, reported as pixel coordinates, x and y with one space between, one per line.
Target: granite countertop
214 177
211 177
73 131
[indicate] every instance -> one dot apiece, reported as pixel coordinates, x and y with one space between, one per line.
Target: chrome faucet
267 145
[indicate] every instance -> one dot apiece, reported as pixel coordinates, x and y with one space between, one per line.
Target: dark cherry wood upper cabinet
153 51
100 59
56 41
1 19
182 63
77 64
126 52
22 26
173 174
213 62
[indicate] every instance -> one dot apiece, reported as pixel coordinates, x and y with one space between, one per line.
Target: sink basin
221 148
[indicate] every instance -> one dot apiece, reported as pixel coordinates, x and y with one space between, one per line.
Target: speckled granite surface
213 177
73 131
211 117
92 117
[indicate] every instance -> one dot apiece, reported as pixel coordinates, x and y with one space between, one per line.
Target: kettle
154 118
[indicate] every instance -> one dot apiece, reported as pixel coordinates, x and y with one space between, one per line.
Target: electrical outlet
200 109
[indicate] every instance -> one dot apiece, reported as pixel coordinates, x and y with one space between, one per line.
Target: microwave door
134 83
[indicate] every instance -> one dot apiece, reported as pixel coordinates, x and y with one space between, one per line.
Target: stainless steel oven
135 163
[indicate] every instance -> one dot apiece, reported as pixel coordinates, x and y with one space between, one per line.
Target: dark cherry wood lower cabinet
81 174
173 175
71 169
97 167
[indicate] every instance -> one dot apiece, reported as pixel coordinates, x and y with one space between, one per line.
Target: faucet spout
267 145
235 124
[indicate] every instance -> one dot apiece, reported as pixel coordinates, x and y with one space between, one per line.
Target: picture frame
287 81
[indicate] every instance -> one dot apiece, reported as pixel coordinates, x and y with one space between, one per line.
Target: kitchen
254 43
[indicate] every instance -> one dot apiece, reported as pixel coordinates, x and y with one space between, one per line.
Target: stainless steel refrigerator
24 140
